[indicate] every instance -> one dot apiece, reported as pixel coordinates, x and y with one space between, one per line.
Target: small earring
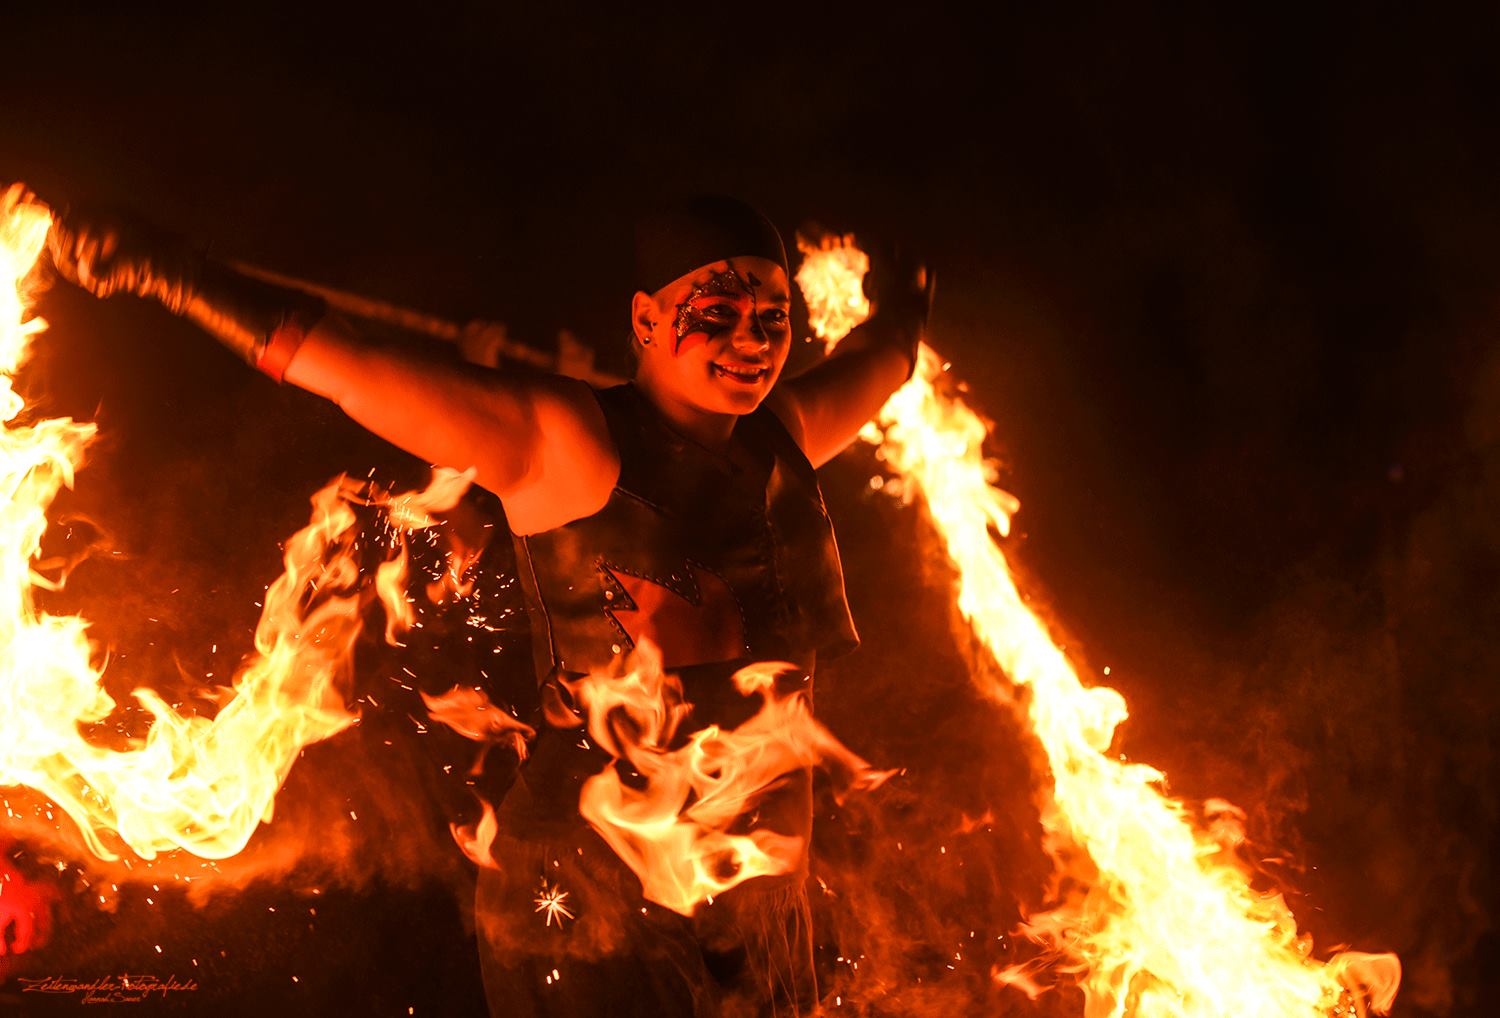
645 341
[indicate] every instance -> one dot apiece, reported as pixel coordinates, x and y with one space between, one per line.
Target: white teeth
742 374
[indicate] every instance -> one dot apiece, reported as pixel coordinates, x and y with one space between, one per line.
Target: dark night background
1229 289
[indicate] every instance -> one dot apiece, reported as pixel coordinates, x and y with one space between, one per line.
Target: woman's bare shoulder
576 463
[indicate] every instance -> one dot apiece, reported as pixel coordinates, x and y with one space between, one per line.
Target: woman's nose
749 336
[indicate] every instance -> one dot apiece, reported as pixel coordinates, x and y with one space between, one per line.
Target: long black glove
106 255
900 291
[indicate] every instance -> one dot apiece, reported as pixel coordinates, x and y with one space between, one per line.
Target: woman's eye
774 317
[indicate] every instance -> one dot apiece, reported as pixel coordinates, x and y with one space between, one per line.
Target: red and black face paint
711 318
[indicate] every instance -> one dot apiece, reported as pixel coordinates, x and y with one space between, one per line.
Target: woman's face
715 340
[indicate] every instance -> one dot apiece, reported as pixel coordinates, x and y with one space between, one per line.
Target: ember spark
552 902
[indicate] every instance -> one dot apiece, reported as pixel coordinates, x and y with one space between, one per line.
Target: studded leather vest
712 557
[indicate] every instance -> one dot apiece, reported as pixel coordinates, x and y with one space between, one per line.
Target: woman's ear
643 317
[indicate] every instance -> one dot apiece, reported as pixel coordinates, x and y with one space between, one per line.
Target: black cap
707 228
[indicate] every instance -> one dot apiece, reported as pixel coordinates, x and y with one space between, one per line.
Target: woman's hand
105 254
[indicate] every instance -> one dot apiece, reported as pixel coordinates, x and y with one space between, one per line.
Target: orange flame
193 783
390 585
673 825
830 277
404 513
468 711
1158 920
476 840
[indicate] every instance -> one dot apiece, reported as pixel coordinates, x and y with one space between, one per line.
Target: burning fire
831 276
674 826
469 712
194 783
1157 918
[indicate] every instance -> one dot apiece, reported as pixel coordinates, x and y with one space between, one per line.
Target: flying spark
552 901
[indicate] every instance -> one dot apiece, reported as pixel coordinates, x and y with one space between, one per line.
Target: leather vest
714 557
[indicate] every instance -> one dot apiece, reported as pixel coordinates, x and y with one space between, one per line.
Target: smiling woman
680 510
711 544
713 343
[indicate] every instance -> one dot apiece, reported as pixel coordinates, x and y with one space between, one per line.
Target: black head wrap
702 230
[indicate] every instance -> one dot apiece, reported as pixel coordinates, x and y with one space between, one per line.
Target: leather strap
284 342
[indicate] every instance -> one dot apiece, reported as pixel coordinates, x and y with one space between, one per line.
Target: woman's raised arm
536 439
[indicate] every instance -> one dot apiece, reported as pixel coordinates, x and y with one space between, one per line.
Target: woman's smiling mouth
746 373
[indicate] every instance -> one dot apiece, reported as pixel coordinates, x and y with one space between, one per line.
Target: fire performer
680 508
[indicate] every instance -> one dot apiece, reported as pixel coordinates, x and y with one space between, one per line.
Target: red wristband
284 342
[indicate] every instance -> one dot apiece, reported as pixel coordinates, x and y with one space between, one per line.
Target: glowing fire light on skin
193 783
1159 919
672 826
